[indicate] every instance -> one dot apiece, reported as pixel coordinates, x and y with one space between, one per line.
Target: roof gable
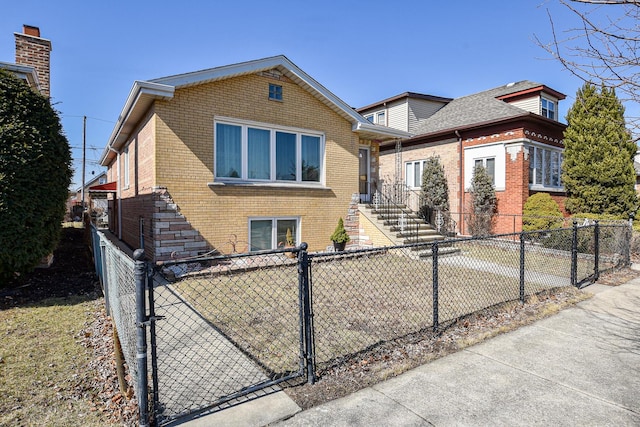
482 107
144 93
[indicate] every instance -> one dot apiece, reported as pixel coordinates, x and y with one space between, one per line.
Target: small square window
275 92
548 109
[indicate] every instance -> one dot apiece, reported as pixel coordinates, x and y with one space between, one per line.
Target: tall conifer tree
435 189
35 173
597 171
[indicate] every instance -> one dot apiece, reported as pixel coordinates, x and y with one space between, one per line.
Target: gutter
142 94
383 131
461 181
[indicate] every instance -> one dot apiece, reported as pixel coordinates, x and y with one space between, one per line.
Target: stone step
422 239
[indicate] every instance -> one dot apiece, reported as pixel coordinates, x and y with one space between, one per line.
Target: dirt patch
618 277
72 274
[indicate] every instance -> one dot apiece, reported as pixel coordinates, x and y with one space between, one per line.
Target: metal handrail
439 219
387 200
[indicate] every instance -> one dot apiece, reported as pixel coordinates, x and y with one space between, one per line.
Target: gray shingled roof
480 107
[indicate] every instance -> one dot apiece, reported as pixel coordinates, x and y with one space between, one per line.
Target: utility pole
84 150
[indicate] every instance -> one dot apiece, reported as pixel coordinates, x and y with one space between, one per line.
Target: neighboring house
33 59
91 202
229 158
406 111
512 130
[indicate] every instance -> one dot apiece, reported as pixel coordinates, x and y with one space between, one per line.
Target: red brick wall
35 52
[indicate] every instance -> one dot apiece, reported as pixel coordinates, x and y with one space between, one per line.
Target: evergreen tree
35 173
597 171
483 203
435 189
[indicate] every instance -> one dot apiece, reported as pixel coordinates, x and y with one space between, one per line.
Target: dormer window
548 109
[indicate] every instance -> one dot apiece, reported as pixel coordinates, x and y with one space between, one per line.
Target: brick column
35 52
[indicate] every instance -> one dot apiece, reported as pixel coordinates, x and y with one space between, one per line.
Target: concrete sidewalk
578 367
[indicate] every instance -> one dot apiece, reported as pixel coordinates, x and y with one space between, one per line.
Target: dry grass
393 358
357 303
43 372
548 262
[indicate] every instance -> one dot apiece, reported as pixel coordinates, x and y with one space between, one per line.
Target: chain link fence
231 326
228 328
115 270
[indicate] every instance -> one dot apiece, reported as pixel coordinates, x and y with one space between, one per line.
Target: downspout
461 189
119 193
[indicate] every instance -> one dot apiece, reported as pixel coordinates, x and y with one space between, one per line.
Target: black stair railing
400 197
390 201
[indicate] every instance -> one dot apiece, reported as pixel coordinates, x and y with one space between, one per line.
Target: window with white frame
125 167
369 118
548 108
489 165
413 173
271 233
258 152
545 167
380 118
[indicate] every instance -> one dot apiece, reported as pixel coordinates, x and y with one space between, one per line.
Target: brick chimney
35 52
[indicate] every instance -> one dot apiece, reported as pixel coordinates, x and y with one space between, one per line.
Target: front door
364 175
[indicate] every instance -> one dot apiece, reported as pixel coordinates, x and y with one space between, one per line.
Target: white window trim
299 132
274 228
495 150
408 183
555 108
532 159
484 165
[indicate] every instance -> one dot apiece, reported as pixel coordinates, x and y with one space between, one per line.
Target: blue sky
363 51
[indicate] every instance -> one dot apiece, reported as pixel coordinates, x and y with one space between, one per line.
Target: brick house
230 158
512 130
33 59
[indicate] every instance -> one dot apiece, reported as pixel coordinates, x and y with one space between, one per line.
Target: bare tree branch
603 48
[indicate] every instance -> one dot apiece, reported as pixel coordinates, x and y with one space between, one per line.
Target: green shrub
35 173
541 212
340 234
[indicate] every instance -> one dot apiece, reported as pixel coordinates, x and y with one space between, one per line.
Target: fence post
629 236
155 405
434 257
596 250
305 294
522 238
141 343
574 255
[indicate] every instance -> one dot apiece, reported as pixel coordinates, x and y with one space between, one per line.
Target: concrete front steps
414 229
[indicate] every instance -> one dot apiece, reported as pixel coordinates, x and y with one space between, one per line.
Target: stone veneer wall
174 237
